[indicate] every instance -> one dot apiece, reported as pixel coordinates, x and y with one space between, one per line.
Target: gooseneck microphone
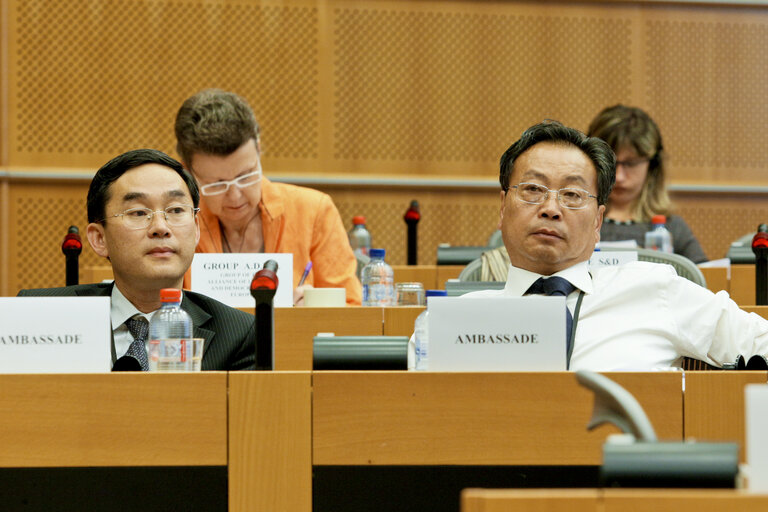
412 217
263 288
760 248
72 246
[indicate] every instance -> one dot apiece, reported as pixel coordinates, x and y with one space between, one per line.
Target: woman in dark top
639 192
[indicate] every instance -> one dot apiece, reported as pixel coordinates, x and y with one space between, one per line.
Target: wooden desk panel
717 279
530 500
399 321
424 274
714 405
128 419
743 284
295 328
428 418
446 272
611 500
682 500
760 310
270 441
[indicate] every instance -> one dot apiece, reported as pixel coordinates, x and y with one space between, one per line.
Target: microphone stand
263 289
412 217
760 248
72 246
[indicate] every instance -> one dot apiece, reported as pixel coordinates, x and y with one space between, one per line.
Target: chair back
682 265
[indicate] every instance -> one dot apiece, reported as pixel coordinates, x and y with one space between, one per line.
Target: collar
121 309
519 280
271 199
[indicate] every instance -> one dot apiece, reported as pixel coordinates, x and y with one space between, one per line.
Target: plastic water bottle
168 327
378 281
359 236
421 332
659 238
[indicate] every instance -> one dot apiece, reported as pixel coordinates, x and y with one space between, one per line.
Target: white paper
497 334
627 244
611 258
55 335
227 277
756 412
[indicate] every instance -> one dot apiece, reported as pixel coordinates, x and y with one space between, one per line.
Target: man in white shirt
555 182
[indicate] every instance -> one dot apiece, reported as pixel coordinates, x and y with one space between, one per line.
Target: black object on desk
263 288
72 246
760 249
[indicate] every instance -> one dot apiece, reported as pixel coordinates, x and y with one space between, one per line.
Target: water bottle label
377 294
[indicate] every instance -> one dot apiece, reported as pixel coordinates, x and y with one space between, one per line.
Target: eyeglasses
141 218
246 180
571 198
631 164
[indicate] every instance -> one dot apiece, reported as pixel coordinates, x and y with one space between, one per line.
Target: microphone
760 248
263 289
72 246
412 217
127 364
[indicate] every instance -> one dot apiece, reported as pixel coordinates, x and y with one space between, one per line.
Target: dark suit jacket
228 332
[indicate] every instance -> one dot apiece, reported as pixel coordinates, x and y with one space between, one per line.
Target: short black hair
98 193
598 151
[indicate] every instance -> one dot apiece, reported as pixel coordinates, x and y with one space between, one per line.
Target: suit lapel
96 290
199 318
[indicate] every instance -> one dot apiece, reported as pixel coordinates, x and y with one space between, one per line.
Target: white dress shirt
642 315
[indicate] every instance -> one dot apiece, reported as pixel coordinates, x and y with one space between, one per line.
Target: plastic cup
410 294
176 355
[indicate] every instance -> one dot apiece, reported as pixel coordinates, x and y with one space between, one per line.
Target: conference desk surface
269 429
611 500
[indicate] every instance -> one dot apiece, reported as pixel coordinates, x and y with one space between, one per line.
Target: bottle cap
358 219
170 295
659 219
377 253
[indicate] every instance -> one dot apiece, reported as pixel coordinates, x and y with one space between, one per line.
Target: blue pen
306 273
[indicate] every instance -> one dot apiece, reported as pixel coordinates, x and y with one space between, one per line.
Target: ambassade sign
497 334
55 335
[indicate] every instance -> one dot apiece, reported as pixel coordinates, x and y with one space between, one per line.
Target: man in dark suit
142 214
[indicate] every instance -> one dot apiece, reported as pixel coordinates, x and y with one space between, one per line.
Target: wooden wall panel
39 216
380 86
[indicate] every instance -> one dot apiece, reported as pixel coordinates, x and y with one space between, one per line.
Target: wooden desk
424 274
611 500
446 272
399 321
258 424
717 279
401 418
742 288
714 405
296 327
270 441
76 420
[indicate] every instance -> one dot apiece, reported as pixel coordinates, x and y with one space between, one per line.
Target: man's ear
599 221
197 229
96 237
501 210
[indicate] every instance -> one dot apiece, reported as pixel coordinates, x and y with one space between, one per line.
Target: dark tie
556 286
139 329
